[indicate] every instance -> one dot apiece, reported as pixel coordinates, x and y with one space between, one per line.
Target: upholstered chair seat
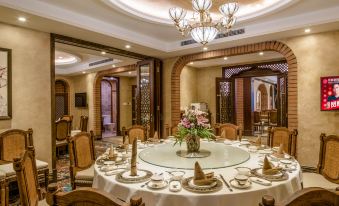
317 180
85 176
8 170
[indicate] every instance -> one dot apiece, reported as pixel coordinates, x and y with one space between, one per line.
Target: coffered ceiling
110 23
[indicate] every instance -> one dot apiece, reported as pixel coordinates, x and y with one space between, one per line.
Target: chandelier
201 26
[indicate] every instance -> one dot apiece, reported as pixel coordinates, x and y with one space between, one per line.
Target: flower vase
193 143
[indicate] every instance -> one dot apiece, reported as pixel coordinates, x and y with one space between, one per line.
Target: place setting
201 182
134 175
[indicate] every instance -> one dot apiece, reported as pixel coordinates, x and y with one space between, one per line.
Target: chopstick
227 185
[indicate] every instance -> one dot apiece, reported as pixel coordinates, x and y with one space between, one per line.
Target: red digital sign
329 93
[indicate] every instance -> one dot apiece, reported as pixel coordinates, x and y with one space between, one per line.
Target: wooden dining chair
256 122
69 119
27 177
136 131
83 123
314 196
61 133
327 173
13 143
232 131
282 135
86 196
82 157
2 188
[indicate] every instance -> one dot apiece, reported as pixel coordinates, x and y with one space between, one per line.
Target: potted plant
193 126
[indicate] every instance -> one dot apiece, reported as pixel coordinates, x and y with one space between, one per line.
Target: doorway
61 99
110 106
249 95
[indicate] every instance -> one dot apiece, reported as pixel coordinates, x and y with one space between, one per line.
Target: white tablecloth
241 197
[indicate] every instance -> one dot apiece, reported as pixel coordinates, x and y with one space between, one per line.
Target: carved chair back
256 117
26 173
314 196
328 164
136 131
83 123
231 131
62 129
281 135
14 142
86 196
69 119
273 117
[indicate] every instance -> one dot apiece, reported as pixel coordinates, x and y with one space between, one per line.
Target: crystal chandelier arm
177 14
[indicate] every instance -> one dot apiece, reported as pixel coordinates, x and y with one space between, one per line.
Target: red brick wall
239 102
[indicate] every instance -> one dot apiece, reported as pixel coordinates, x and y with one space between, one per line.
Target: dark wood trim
97 47
53 132
247 112
9 84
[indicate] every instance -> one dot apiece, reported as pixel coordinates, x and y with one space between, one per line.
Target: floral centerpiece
193 126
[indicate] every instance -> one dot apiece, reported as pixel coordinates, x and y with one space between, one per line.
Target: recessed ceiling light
225 58
84 72
205 48
261 53
129 72
113 65
128 46
191 63
22 19
308 30
60 57
103 52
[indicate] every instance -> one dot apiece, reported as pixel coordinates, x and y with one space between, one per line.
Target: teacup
157 179
241 179
243 171
252 148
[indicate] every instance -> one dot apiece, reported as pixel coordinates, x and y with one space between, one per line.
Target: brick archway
246 49
97 94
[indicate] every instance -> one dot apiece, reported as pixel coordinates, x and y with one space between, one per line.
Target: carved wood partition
246 49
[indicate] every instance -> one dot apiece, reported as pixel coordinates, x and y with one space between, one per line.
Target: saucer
235 184
157 186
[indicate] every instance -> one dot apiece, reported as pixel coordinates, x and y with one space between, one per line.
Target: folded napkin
155 136
257 141
134 158
223 135
268 168
200 178
112 155
280 153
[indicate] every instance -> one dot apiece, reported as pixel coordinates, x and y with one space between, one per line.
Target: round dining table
223 161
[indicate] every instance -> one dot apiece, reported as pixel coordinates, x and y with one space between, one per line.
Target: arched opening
61 98
247 49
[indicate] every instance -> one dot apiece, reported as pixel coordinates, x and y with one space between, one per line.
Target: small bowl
177 175
243 171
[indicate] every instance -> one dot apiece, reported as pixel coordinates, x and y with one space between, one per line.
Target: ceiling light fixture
308 30
201 26
113 65
60 57
103 52
22 19
261 53
84 72
128 46
129 72
205 48
191 63
225 58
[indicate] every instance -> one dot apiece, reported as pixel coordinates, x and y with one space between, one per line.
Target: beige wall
317 55
31 85
188 87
